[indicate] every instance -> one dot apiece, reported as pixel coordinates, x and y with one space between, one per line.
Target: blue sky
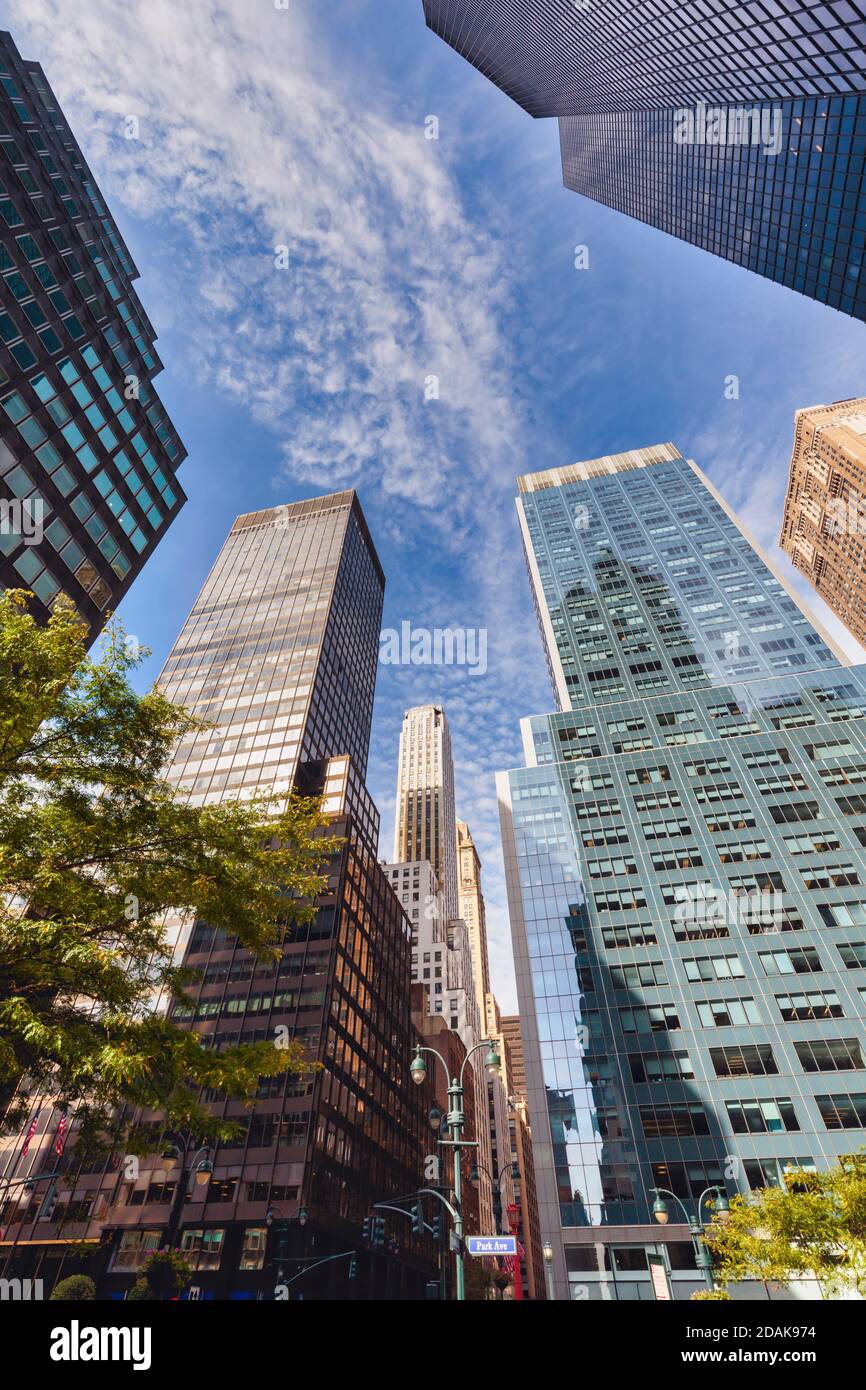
304 127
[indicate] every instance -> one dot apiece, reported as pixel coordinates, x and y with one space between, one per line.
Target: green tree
813 1226
95 849
77 1288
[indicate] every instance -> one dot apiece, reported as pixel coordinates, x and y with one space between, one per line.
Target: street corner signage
491 1245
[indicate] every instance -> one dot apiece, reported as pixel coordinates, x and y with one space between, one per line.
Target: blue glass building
686 863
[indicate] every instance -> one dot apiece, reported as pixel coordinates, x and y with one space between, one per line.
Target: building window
202 1248
843 1111
135 1247
253 1249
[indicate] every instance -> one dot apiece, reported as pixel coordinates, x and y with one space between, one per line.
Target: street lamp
547 1252
456 1119
200 1166
495 1183
722 1209
203 1172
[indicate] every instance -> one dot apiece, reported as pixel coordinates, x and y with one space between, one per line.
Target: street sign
660 1281
491 1245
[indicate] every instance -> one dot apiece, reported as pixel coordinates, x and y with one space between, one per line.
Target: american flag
60 1138
30 1133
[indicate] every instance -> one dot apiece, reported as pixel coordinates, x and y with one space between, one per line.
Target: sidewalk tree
96 848
813 1226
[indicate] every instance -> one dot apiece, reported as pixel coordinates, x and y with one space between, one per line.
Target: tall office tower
685 868
824 522
472 910
736 127
512 1035
280 655
426 819
88 456
558 58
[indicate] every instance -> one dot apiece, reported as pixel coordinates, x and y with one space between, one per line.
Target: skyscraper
824 522
279 654
88 456
472 910
426 822
740 128
568 57
687 839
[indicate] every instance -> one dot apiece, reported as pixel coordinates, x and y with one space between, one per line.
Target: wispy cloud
376 349
251 140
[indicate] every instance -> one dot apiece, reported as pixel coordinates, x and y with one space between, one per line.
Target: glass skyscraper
738 127
572 57
88 455
686 865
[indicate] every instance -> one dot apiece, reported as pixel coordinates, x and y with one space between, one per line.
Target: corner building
824 520
86 445
280 655
686 871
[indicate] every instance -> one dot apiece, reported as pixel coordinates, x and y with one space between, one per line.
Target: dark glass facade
86 447
788 204
797 216
574 57
686 860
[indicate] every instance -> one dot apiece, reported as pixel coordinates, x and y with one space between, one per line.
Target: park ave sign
77 1343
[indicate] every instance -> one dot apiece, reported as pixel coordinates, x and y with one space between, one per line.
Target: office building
561 58
279 654
88 455
425 826
472 911
824 521
685 866
737 127
517 1066
441 965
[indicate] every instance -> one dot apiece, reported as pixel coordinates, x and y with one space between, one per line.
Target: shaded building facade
88 455
280 654
739 128
824 519
685 867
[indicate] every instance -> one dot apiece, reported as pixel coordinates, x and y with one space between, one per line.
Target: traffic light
418 1219
378 1233
49 1202
367 1230
353 1267
439 1225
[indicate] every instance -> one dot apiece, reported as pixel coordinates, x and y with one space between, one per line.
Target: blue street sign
491 1245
